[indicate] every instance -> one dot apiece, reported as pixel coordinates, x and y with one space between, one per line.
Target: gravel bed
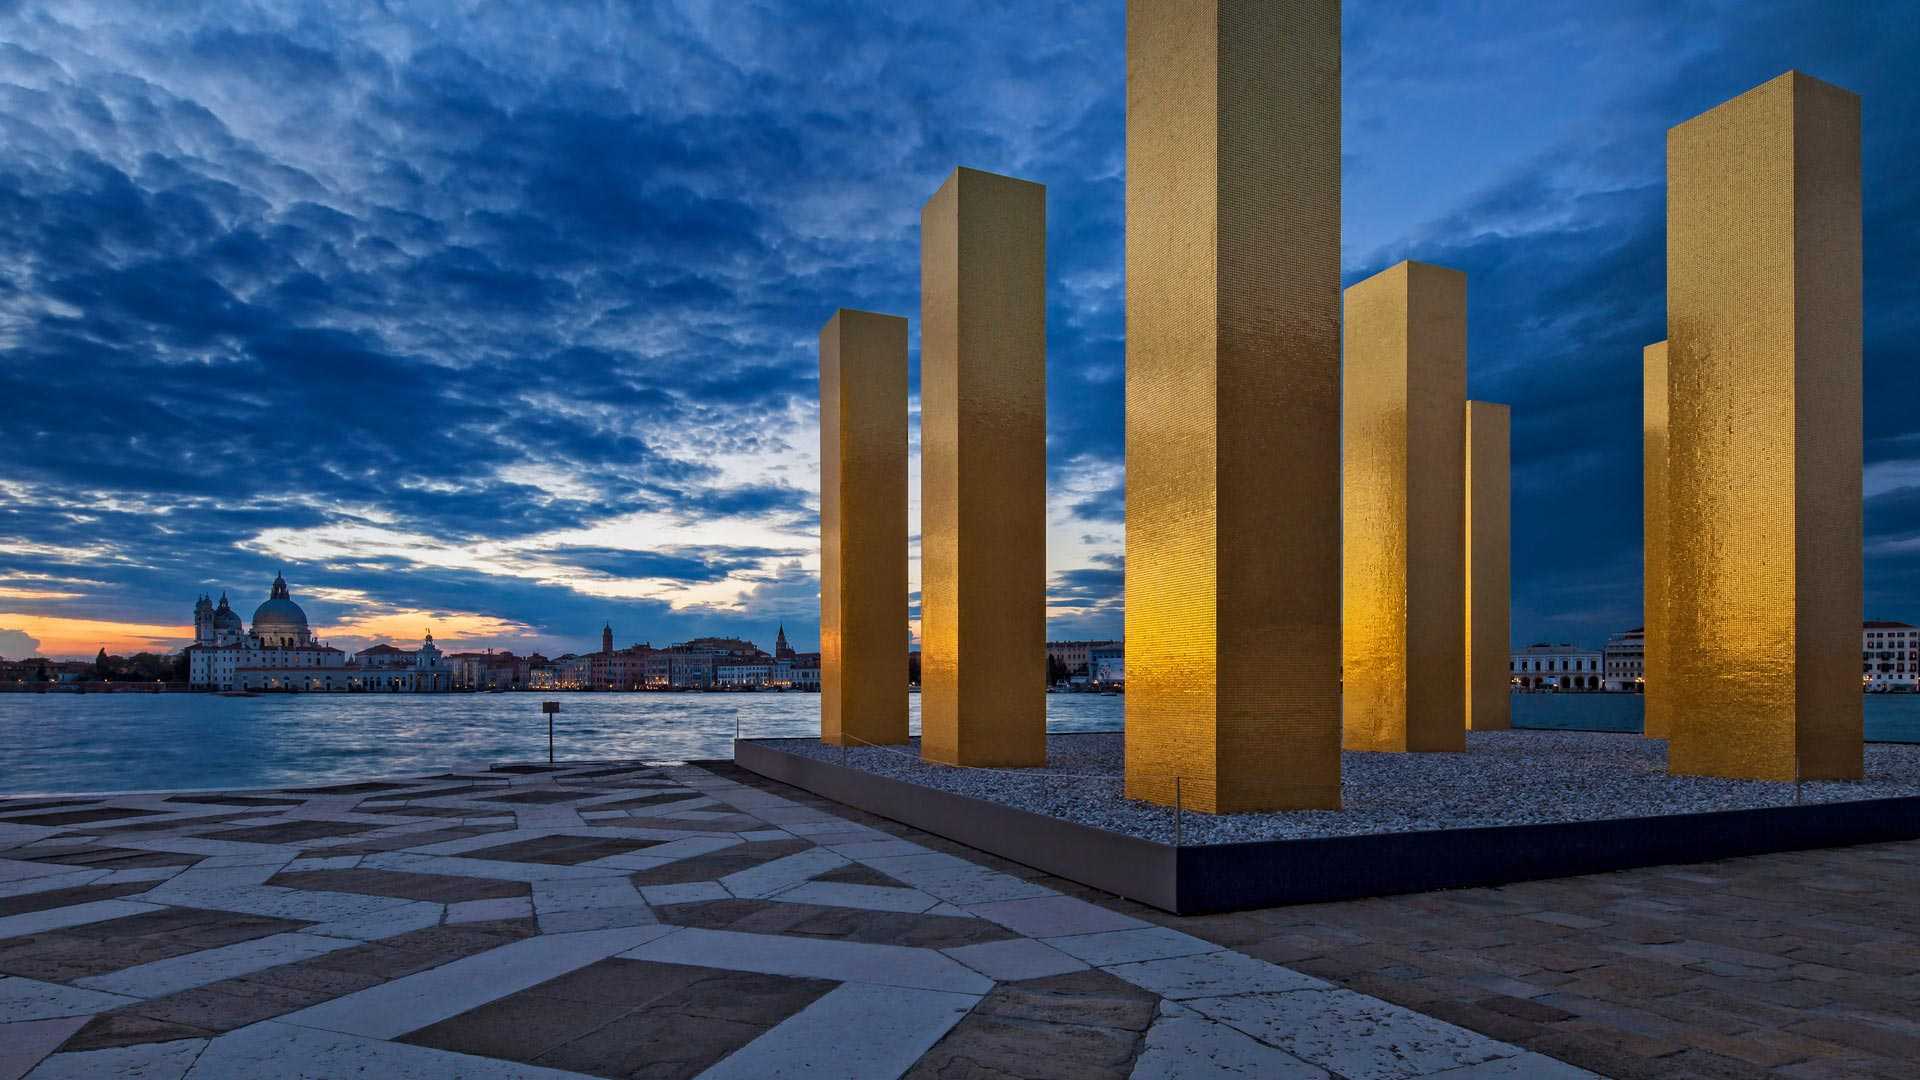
1504 778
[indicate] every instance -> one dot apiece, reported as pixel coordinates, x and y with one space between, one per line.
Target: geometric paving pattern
619 921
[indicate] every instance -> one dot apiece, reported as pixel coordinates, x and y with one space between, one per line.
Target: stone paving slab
1188 1046
23 1045
150 1061
60 918
771 954
283 1050
31 999
396 1008
1015 959
1351 1034
185 972
858 1031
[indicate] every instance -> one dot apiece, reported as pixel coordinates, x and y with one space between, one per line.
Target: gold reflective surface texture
1233 403
1403 653
1657 639
1764 428
983 438
1488 591
863 529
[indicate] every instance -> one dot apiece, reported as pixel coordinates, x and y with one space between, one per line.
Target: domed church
278 653
280 621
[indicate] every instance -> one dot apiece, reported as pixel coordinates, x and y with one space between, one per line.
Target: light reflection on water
136 742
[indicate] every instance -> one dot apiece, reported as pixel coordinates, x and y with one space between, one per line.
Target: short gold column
983 471
1656 640
1764 428
1403 485
863 529
1488 582
1233 403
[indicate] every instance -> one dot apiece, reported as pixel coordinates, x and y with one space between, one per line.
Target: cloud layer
502 319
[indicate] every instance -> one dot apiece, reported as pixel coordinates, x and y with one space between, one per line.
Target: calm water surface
1889 717
142 742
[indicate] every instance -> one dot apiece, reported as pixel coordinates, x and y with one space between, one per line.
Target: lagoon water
1889 717
145 742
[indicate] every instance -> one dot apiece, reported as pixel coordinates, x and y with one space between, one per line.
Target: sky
502 319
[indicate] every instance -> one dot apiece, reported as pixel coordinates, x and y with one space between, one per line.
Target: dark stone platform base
1197 880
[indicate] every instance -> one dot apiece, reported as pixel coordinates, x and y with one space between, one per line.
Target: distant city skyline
535 351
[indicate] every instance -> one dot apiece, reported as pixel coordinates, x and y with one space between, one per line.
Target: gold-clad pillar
1764 430
1657 695
1403 485
983 446
863 529
1488 584
1233 403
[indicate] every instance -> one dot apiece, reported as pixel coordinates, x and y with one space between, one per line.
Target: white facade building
1626 661
1556 667
280 653
1889 656
279 648
743 673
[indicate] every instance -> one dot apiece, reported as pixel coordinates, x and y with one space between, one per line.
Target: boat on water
238 693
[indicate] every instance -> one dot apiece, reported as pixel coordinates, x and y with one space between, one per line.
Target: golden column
863 529
1764 429
983 466
1233 403
1657 695
1404 452
1488 594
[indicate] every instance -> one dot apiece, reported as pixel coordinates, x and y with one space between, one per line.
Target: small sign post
549 707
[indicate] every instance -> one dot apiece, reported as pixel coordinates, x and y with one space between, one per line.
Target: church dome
279 615
225 618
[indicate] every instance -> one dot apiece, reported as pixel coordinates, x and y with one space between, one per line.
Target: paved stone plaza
626 920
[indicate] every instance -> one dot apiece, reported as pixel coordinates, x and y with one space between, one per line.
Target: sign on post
549 707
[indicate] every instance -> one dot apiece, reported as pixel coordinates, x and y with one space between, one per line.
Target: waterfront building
1076 657
571 672
743 673
806 671
1107 666
1543 666
1624 659
279 650
1889 656
492 670
389 669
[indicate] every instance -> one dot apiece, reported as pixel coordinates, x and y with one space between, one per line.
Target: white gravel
1504 778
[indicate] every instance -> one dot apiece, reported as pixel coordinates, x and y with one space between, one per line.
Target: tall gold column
1233 403
1764 427
1488 593
863 529
1657 695
1404 443
983 465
